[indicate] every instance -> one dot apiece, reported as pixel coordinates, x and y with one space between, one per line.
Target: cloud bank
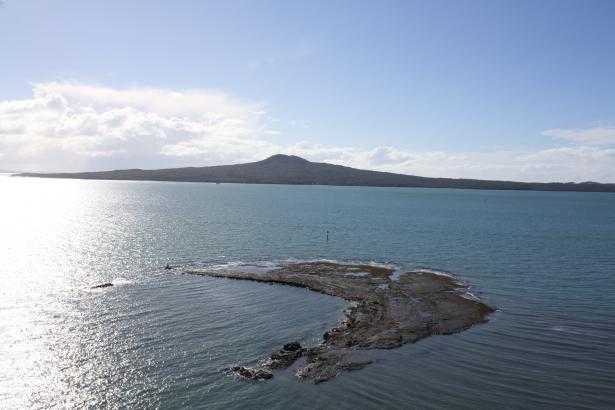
592 136
73 127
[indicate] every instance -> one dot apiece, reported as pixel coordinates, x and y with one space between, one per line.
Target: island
387 309
293 170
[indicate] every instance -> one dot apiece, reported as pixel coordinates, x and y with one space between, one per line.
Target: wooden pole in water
327 236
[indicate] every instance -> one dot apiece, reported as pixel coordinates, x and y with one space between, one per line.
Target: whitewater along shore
386 311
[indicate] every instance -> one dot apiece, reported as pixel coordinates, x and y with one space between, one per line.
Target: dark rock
284 357
291 347
102 285
323 364
252 373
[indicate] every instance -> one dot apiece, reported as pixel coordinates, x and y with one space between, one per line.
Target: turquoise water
160 340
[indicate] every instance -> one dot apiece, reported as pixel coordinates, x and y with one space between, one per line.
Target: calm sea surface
160 340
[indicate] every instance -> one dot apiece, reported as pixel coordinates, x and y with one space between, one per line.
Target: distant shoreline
291 170
306 185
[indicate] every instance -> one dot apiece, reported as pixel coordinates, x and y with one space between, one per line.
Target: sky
516 90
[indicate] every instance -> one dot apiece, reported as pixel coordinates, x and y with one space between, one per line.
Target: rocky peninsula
387 310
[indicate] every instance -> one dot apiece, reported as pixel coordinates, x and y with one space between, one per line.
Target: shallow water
546 260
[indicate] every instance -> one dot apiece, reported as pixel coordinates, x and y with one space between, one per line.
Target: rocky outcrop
286 356
384 313
102 285
323 363
252 373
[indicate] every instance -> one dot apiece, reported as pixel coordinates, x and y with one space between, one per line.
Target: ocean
160 339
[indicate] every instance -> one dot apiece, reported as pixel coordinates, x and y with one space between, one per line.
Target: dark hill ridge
289 169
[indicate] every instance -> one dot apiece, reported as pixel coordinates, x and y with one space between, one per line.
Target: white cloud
70 127
558 164
591 136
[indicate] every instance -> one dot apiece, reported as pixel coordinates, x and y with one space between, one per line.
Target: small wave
471 296
267 266
240 266
445 274
436 272
121 282
374 264
358 274
397 273
565 329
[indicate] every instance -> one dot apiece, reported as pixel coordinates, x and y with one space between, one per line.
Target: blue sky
487 89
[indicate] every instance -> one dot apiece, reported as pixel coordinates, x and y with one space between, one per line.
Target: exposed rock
324 363
292 346
252 373
102 285
385 313
284 357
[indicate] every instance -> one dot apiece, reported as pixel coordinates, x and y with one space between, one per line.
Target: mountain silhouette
290 169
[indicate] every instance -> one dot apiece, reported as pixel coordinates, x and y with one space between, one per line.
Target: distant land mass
293 170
